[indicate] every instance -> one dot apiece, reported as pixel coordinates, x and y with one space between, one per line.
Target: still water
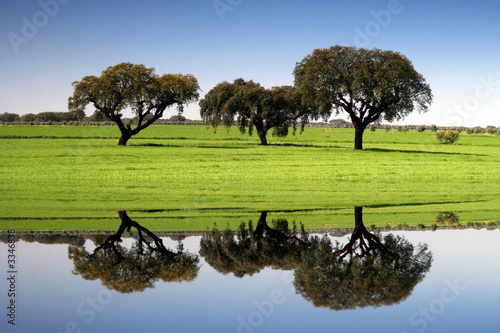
454 286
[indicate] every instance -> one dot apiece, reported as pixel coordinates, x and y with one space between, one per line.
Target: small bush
479 130
420 128
403 226
433 128
491 129
447 137
387 128
447 218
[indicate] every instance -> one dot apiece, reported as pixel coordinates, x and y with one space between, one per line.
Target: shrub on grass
479 130
433 128
420 128
448 219
387 128
491 129
447 137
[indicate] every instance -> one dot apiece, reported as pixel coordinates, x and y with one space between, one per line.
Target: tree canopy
369 85
251 105
128 85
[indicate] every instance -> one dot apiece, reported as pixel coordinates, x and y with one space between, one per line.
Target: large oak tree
133 86
251 105
369 85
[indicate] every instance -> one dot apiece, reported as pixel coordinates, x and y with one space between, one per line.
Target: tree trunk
358 219
263 138
358 136
124 138
368 242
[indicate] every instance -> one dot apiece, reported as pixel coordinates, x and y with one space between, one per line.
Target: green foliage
8 117
136 87
250 105
369 85
479 130
447 219
420 128
433 128
491 129
177 118
447 137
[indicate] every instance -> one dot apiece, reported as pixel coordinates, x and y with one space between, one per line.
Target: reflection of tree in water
130 270
250 250
384 271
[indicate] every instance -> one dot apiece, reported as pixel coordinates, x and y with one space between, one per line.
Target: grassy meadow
186 178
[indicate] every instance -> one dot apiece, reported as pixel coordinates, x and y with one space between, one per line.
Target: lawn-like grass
188 178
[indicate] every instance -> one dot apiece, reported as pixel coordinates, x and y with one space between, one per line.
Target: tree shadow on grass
163 145
418 152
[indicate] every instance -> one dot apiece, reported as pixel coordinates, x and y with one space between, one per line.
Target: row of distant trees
79 118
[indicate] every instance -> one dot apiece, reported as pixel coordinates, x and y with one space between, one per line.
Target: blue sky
47 44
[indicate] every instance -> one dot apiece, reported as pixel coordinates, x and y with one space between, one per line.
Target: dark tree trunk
124 138
263 137
358 219
368 242
272 233
358 136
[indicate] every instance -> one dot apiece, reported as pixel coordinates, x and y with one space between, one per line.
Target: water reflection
380 270
252 250
369 270
129 270
383 271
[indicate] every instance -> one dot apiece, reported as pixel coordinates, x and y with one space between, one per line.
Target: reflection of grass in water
183 168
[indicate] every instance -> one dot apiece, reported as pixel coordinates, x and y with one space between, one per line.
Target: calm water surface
459 293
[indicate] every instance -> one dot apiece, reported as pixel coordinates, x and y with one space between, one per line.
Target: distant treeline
79 236
78 118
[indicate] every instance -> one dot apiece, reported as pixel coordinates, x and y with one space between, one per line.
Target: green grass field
180 178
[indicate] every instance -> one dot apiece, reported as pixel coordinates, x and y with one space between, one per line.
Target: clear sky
46 45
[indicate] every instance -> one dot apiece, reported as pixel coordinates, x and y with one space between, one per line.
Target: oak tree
252 106
369 85
128 85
